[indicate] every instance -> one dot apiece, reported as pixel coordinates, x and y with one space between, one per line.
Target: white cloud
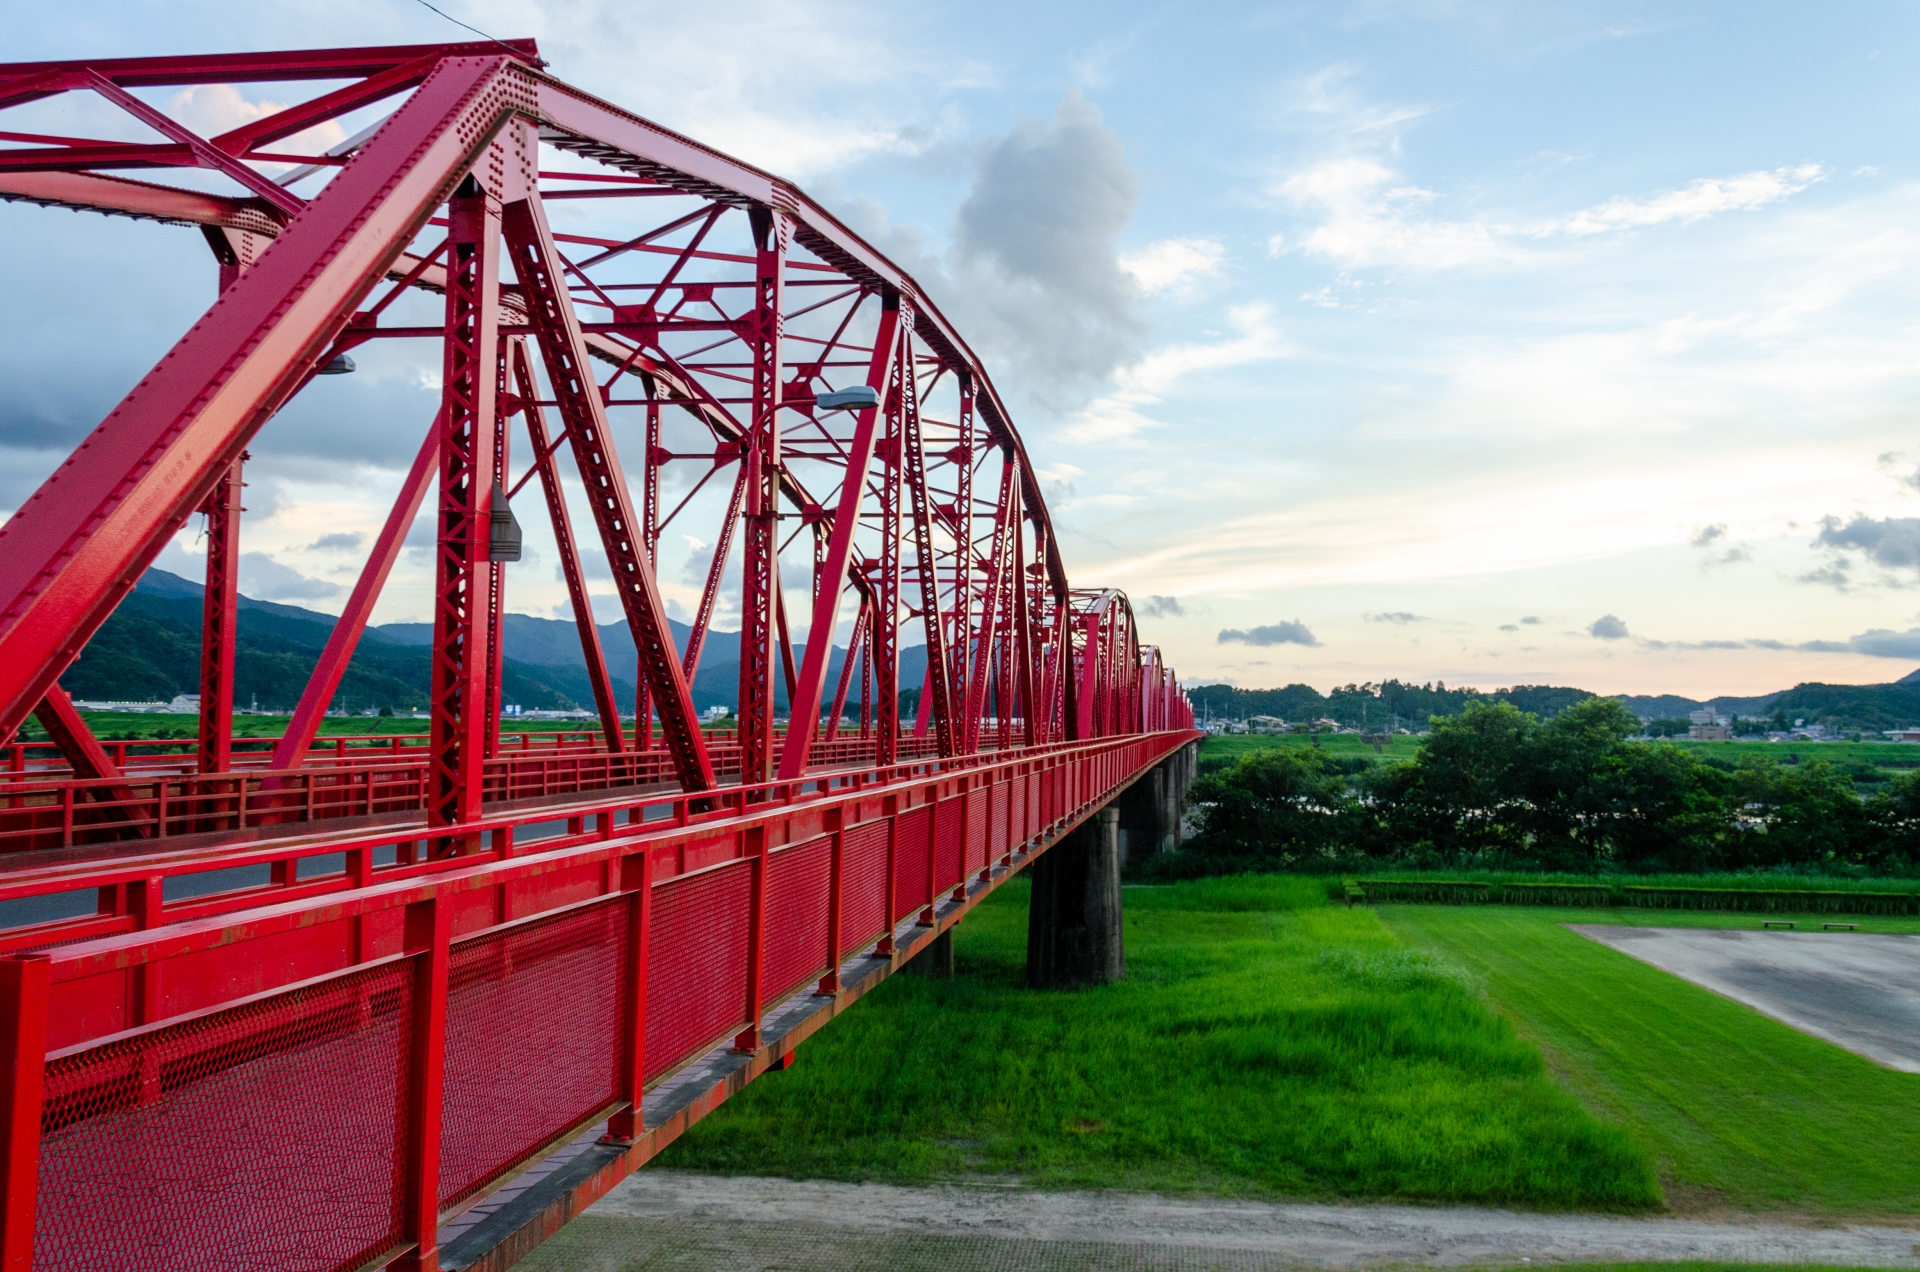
1368 220
1706 197
1120 415
1172 265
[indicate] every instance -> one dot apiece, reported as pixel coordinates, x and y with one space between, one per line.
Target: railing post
927 918
890 809
748 1039
24 982
836 878
636 881
428 937
146 903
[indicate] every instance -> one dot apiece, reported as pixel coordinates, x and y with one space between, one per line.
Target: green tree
1799 815
1464 796
1280 807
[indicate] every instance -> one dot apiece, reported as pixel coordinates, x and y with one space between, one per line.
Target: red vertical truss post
24 985
650 534
1025 647
962 539
636 881
885 574
497 570
217 615
914 475
830 578
462 573
538 266
990 605
836 898
760 527
304 725
528 393
748 1039
427 940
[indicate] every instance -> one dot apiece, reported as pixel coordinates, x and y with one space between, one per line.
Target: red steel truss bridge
416 1001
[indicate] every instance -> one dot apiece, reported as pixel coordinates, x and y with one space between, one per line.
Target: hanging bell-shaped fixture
504 542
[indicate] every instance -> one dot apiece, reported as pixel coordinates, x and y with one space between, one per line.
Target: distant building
1708 726
1903 735
1266 724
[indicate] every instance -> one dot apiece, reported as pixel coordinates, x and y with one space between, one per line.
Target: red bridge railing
320 1083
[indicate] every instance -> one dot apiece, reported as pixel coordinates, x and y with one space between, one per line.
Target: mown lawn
1740 1111
1264 1043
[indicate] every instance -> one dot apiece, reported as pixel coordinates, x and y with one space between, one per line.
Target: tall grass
1263 1043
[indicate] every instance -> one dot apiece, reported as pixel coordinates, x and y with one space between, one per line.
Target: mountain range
149 650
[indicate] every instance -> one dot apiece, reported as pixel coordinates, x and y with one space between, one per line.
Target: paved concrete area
664 1219
1859 991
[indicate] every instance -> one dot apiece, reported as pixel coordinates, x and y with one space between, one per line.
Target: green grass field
130 725
1739 1111
1889 757
1263 1043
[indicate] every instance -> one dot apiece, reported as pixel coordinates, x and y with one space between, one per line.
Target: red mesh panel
947 863
533 1038
863 866
261 1136
697 963
983 814
796 933
910 876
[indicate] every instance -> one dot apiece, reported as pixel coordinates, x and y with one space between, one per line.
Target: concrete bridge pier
1074 935
1151 809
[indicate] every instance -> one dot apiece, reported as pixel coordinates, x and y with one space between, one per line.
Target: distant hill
1867 708
149 649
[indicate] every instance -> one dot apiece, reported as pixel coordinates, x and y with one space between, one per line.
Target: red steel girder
760 531
218 610
462 575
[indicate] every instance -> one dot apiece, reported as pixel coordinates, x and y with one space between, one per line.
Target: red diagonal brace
803 715
603 699
537 264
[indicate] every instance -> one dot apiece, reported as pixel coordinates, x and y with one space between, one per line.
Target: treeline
1498 788
1380 706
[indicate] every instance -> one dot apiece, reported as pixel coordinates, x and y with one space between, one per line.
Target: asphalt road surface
1859 991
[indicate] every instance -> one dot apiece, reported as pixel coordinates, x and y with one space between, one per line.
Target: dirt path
660 1219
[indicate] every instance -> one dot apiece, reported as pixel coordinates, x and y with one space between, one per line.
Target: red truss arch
706 348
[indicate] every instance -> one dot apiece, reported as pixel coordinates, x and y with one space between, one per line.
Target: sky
1485 343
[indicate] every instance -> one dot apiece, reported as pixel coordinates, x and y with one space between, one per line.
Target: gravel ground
1856 990
664 1219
